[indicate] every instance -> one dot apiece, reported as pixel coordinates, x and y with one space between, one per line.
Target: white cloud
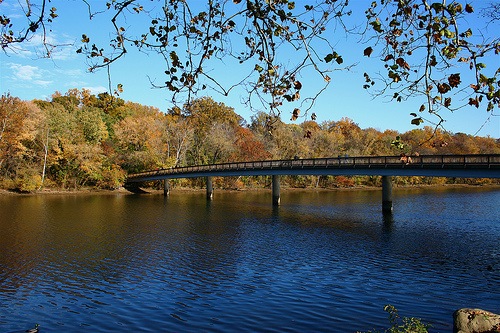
73 73
43 83
25 72
96 90
31 74
12 9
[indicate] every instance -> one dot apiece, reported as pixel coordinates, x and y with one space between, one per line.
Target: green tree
73 143
92 124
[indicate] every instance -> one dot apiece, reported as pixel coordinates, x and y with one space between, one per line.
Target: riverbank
122 190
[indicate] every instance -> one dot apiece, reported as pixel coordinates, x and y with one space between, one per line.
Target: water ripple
326 262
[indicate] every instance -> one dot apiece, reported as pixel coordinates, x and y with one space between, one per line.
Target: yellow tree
140 139
19 155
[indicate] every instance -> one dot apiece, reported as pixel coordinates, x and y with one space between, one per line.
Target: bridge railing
424 161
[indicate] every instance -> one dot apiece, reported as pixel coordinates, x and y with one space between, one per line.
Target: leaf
413 114
397 143
402 63
85 39
394 76
443 88
329 57
422 108
433 61
468 8
368 51
438 7
474 102
53 12
313 116
467 33
377 26
388 57
447 102
454 80
295 114
417 121
297 85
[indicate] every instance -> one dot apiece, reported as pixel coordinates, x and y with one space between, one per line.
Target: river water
324 261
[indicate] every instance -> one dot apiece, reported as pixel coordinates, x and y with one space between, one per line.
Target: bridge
460 166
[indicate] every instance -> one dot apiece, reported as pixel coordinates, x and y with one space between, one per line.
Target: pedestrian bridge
461 166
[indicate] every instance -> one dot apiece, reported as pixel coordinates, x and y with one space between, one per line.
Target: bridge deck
465 166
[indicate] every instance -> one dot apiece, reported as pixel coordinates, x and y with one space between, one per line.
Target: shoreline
122 190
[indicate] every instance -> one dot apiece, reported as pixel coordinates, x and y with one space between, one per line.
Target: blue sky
24 74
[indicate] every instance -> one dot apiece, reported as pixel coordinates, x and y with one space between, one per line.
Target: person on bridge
405 159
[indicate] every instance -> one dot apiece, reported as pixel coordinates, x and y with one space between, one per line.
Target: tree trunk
46 152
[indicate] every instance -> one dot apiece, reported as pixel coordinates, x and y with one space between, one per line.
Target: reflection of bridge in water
461 166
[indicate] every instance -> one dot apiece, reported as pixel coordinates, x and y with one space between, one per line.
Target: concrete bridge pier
387 194
276 190
166 187
210 189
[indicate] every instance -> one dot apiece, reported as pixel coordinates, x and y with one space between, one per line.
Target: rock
475 321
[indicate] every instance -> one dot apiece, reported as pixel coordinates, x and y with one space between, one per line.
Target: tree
286 142
92 123
351 133
141 142
219 144
210 122
248 146
430 49
19 156
427 48
72 139
179 136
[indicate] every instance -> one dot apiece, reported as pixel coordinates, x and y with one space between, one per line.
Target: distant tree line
78 140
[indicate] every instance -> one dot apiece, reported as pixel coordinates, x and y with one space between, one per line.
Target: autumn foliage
80 140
